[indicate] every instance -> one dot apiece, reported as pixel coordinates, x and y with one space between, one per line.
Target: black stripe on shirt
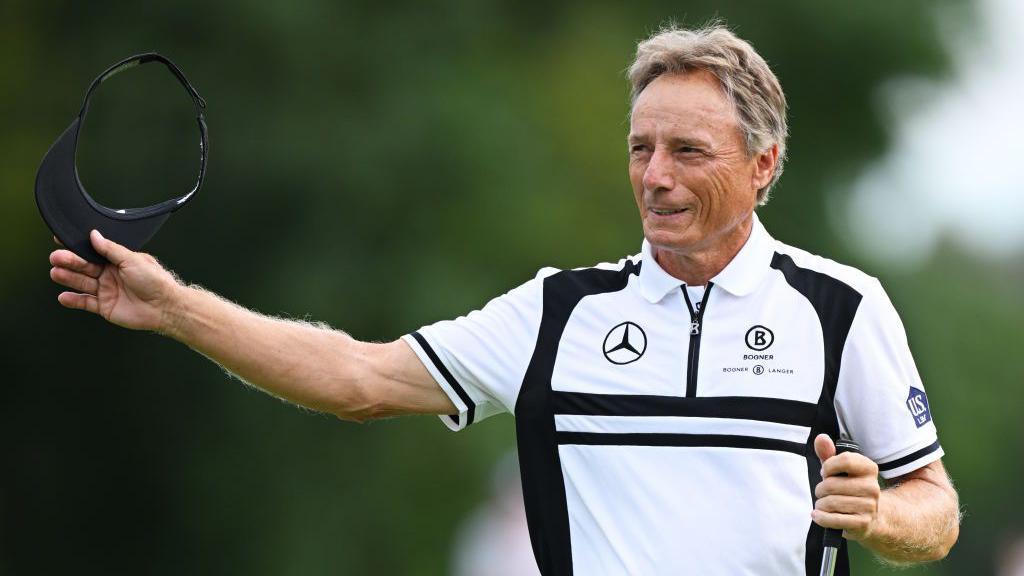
836 303
684 440
547 512
778 410
470 406
909 457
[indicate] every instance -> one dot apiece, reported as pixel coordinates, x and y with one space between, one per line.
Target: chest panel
767 344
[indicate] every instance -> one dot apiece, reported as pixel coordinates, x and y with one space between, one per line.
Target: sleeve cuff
446 380
903 464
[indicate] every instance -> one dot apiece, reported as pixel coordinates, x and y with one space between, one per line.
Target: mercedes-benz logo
625 343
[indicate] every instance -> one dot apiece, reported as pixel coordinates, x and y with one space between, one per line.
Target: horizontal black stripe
909 457
470 406
686 440
777 410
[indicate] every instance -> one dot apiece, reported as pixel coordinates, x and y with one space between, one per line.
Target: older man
675 410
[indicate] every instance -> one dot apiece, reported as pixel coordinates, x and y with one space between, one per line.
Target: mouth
667 211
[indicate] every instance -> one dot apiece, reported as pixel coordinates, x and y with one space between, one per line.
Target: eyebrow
674 141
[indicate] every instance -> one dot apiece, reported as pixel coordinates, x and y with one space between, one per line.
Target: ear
764 167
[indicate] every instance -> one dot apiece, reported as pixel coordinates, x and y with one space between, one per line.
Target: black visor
68 209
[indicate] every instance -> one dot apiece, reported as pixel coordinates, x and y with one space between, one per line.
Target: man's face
692 178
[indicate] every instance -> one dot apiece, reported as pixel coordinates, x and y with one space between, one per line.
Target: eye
636 149
688 150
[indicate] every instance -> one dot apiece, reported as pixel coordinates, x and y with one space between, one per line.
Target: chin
672 240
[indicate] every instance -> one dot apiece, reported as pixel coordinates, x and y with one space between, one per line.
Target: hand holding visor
71 213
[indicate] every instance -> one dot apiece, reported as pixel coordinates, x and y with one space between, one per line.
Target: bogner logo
625 343
759 338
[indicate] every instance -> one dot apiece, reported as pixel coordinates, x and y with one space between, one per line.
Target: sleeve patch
917 402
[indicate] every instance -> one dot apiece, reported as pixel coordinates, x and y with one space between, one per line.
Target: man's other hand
848 493
132 290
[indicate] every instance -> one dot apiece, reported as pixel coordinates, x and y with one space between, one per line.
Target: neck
697 266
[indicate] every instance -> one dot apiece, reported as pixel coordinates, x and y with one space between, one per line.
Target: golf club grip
834 536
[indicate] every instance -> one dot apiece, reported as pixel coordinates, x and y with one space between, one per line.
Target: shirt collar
741 276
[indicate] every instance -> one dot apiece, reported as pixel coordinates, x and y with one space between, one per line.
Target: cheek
636 171
636 179
721 187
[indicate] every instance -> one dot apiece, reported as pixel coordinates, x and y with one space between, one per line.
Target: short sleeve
880 400
480 359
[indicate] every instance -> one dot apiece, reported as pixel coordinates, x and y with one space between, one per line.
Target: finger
79 302
75 280
70 260
849 463
857 523
824 447
844 505
109 249
847 486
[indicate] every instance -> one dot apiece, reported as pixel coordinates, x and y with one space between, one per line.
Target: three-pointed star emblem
625 343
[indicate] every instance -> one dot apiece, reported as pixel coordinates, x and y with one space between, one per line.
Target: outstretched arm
311 365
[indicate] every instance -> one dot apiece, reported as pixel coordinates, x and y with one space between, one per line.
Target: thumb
109 249
824 447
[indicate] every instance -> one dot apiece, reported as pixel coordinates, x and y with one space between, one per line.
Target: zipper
696 325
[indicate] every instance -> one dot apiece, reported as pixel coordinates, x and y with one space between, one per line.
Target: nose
658 175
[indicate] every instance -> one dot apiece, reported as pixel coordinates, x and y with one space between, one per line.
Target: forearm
310 365
918 521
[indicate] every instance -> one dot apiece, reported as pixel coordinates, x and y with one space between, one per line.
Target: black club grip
834 536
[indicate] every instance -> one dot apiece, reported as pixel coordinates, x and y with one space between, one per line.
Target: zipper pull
695 328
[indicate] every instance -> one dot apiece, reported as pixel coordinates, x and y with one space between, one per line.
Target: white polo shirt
666 429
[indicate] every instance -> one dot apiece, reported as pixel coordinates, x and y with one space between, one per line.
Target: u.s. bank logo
917 402
759 338
625 343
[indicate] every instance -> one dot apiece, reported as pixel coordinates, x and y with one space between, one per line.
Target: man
675 410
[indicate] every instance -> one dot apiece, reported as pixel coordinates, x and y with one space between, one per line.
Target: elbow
365 388
951 536
359 401
940 550
954 515
353 416
927 536
347 384
350 412
948 545
358 407
360 414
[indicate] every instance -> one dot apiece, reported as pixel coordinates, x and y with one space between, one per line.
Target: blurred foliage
380 166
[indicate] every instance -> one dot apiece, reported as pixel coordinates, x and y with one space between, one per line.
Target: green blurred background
379 166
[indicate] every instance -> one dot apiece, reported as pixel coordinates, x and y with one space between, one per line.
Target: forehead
691 102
